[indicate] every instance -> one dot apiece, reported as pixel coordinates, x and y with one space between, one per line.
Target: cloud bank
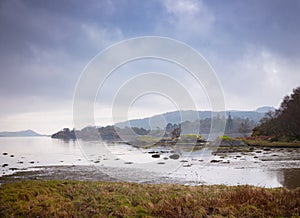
252 45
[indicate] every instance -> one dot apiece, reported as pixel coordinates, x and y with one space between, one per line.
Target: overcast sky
253 46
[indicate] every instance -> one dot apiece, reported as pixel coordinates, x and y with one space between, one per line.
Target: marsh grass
108 199
274 144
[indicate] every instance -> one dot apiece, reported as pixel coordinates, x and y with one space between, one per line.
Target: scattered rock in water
166 158
13 169
155 156
152 152
238 156
183 161
97 161
255 157
222 157
117 159
4 153
226 162
251 149
201 160
128 162
161 163
174 156
215 161
20 162
257 151
275 155
12 155
267 149
79 159
31 162
4 165
61 161
187 165
163 152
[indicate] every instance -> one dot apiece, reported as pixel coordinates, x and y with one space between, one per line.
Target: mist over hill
265 109
22 133
161 120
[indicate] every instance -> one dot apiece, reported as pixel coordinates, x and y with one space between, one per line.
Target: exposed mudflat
44 158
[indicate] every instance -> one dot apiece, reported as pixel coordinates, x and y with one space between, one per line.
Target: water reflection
289 178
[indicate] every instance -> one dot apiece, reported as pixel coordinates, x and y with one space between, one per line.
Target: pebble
183 161
215 161
155 156
174 156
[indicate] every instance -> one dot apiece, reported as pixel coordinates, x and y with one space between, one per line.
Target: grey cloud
46 44
44 50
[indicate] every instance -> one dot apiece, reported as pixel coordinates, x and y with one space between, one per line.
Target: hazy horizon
103 124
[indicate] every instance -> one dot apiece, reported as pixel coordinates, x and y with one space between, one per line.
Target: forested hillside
284 123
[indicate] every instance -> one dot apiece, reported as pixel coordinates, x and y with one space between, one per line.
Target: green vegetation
226 138
101 199
284 123
191 138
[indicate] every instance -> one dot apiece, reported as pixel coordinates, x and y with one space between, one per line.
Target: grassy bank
107 199
274 144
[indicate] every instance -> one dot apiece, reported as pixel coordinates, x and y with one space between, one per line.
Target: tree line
284 123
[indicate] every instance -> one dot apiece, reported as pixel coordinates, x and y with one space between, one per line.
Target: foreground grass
107 199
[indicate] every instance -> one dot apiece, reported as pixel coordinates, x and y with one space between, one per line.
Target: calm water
276 168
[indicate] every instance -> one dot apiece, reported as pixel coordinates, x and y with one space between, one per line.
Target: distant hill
190 115
19 133
265 109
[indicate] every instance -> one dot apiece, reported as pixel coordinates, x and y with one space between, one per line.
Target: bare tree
245 127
